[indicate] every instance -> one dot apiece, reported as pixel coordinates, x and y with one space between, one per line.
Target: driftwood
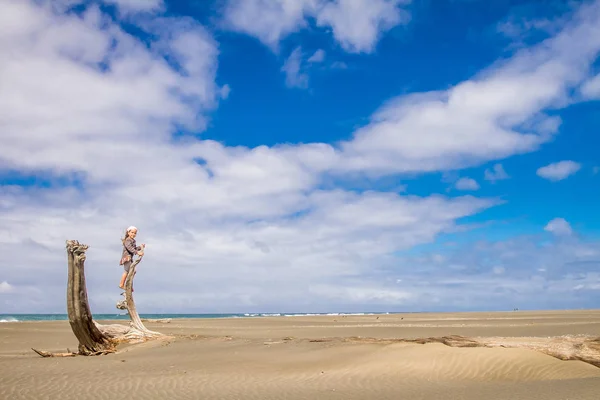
568 347
69 353
94 338
159 320
91 340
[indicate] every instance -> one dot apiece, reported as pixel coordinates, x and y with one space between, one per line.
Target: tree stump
91 339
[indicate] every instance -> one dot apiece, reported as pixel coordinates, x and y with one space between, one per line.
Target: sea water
124 316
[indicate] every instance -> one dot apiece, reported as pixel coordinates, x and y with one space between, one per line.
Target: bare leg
123 277
122 283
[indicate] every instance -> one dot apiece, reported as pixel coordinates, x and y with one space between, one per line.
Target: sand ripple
320 359
194 369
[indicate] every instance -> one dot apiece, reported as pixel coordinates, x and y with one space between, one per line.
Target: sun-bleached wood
91 339
94 338
136 322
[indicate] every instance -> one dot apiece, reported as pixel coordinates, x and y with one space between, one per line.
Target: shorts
126 266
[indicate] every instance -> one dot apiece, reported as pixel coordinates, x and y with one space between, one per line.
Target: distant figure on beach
130 248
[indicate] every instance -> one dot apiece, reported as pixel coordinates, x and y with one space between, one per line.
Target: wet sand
496 355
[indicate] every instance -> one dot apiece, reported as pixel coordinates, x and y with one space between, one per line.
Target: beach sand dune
324 357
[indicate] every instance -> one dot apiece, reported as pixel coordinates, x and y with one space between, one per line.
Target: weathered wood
94 338
130 303
91 339
48 354
69 353
158 320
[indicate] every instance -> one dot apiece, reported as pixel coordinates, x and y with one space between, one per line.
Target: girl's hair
127 233
125 237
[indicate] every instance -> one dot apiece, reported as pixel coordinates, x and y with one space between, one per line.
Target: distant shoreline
29 317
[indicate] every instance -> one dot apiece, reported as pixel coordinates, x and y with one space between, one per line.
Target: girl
129 250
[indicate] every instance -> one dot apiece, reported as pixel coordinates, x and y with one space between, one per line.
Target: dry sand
324 357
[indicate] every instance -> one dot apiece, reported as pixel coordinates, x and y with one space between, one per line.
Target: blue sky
302 156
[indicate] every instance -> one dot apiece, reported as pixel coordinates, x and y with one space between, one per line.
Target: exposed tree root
49 354
127 334
70 353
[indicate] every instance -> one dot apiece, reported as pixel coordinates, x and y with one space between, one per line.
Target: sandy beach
495 355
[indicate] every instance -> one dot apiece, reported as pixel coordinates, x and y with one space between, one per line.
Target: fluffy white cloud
83 97
559 226
356 24
591 88
293 69
226 227
231 228
497 173
485 118
5 287
213 257
559 170
466 184
268 20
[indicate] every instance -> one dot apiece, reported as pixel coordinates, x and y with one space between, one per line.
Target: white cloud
317 57
485 118
363 294
559 226
296 67
293 69
237 228
500 275
96 108
224 92
231 228
129 6
497 173
356 24
595 170
466 184
216 258
124 7
559 170
591 88
5 287
268 20
518 27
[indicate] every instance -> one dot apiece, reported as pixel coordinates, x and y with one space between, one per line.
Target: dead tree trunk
129 303
91 340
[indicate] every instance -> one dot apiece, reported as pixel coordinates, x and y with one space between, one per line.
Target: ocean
123 316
